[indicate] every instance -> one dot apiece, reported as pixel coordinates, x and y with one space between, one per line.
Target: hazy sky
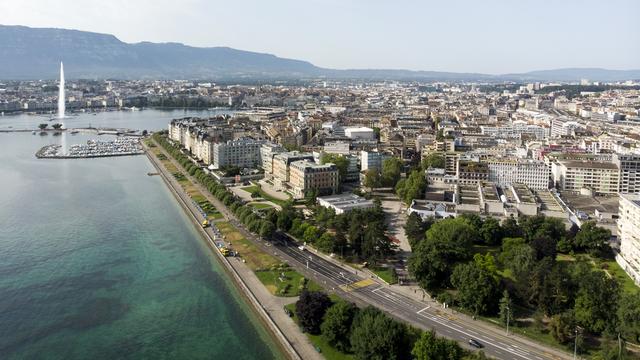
490 36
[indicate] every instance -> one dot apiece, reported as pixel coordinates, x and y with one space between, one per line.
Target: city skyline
492 38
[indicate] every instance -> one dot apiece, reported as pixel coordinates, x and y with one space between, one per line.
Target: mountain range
35 53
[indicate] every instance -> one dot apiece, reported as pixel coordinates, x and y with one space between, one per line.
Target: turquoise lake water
97 261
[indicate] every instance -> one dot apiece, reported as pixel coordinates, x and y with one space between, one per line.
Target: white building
534 174
359 133
629 233
345 202
240 153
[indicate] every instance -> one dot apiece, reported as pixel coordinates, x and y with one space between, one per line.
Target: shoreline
243 288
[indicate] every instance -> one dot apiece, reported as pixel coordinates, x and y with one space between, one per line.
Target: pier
125 146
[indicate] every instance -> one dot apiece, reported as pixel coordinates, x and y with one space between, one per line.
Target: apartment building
281 167
307 176
629 234
506 172
244 153
203 148
267 152
629 165
599 177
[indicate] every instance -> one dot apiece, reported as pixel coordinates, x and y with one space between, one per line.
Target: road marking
424 309
357 285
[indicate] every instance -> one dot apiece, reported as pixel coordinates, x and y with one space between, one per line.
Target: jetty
125 146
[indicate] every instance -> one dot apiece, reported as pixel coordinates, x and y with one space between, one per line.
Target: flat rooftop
589 204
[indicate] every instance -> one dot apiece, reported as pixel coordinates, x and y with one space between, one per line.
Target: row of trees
56 126
522 269
246 214
370 334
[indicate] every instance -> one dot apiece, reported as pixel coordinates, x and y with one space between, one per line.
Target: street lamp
508 310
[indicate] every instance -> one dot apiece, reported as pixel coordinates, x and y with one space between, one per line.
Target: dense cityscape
417 181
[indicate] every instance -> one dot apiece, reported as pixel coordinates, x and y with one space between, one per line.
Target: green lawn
290 285
625 281
260 206
327 351
254 188
384 273
255 258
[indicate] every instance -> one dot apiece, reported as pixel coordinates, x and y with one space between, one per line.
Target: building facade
243 153
629 166
281 166
600 177
308 176
534 174
629 234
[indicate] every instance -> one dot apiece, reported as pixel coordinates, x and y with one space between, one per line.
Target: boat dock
124 146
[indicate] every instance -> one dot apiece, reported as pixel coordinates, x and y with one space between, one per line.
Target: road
353 286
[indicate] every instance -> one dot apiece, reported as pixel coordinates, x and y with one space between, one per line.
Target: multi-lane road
424 315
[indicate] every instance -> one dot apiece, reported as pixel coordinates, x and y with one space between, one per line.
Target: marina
122 146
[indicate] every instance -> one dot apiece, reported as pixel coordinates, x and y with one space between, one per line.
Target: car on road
475 343
301 247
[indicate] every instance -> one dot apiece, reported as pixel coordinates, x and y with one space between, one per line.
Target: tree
391 169
413 187
612 350
311 234
326 243
43 126
430 347
593 239
341 162
375 336
490 231
267 229
629 317
596 300
374 242
415 229
433 160
57 126
336 325
473 220
551 287
562 327
544 246
506 308
372 179
310 308
447 242
510 228
477 288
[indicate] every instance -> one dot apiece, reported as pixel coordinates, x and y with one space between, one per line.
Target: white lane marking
423 309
